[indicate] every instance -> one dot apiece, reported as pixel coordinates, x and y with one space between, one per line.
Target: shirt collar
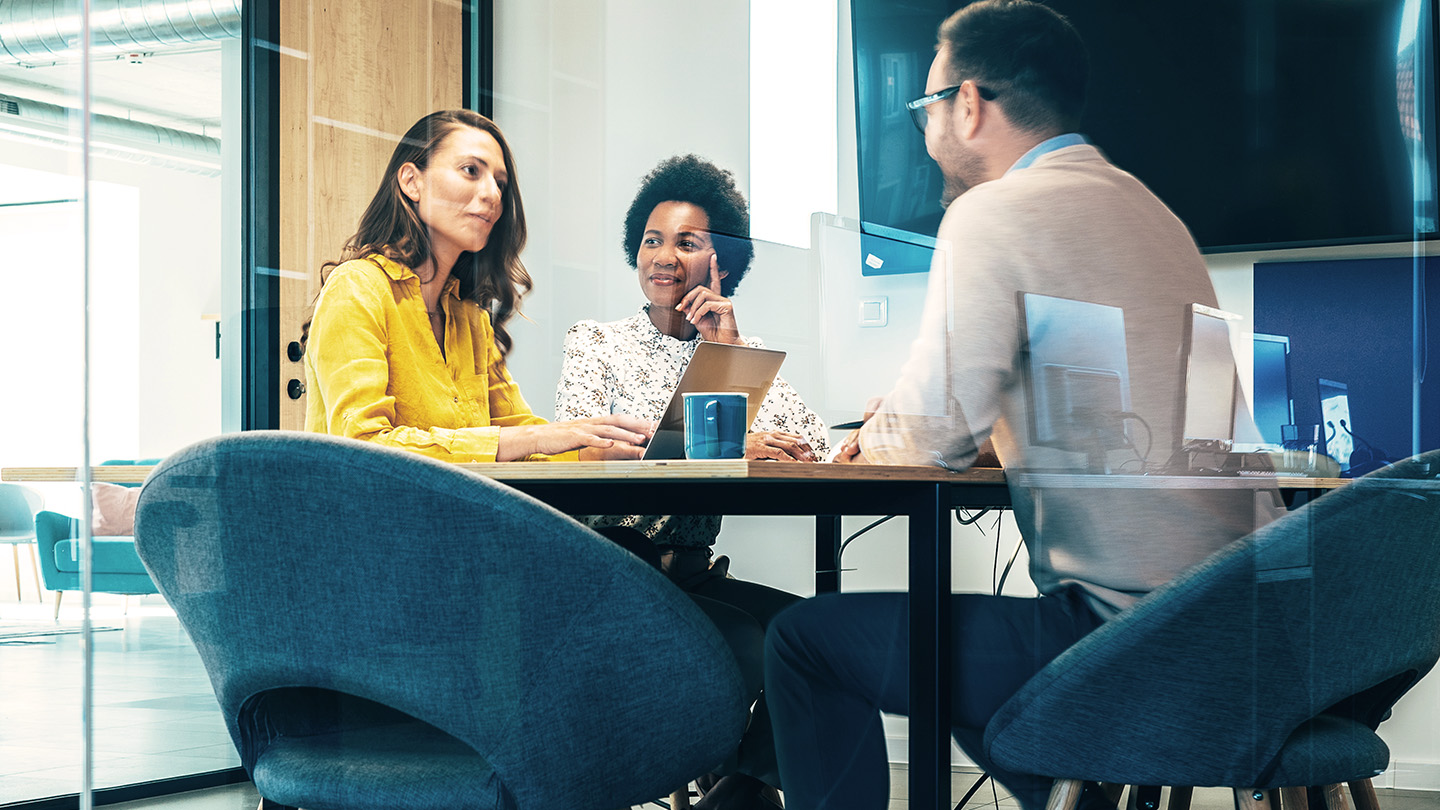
651 332
399 272
395 270
1045 147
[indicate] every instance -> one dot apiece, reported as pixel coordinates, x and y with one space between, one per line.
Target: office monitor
1076 376
1273 406
1207 401
1335 421
888 251
1242 89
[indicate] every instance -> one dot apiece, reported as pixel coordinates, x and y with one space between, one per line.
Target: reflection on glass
1335 418
153 372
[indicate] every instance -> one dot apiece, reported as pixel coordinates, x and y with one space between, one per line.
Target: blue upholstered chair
1267 668
387 631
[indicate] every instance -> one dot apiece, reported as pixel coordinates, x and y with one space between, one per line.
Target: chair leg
1180 797
35 569
15 552
1335 798
58 594
1251 799
1144 797
1294 798
1363 792
1065 795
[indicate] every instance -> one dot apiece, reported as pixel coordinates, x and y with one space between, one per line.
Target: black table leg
827 553
930 624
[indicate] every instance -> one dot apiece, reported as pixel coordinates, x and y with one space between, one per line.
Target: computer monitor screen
1241 88
1335 419
1077 375
1273 409
1209 397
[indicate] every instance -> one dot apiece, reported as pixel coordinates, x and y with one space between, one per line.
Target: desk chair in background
387 631
18 507
1268 666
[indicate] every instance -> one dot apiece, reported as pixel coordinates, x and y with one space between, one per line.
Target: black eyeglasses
920 115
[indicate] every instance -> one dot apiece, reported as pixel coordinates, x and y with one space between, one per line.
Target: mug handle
712 423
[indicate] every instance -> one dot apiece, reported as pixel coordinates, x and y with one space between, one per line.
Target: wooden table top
739 468
589 470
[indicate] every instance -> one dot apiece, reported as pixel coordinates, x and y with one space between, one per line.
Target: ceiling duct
112 137
46 32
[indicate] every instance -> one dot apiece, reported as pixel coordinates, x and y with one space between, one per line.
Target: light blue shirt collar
1046 147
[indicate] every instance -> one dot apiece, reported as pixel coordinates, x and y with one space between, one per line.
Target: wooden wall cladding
354 76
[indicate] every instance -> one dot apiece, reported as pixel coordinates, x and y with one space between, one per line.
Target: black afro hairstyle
695 180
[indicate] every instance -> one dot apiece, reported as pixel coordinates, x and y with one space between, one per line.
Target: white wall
591 95
155 382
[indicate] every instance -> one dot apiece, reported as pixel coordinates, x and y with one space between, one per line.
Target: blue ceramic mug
715 425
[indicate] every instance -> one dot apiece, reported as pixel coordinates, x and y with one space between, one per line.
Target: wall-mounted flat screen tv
1261 123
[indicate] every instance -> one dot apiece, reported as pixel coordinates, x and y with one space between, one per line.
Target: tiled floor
154 713
243 797
991 795
155 717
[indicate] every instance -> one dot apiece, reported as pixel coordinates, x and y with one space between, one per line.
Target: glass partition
168 198
110 206
138 173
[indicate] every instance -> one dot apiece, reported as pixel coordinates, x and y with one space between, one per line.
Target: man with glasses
1032 207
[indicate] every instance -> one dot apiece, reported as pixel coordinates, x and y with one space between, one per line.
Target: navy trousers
741 612
835 662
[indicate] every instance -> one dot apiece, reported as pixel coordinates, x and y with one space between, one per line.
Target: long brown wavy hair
493 277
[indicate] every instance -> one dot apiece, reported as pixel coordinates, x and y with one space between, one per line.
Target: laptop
715 368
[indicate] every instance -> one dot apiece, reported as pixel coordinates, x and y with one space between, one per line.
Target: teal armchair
117 568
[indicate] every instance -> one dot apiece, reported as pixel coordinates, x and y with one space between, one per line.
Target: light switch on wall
875 311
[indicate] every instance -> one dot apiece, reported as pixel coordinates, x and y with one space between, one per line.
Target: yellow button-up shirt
373 370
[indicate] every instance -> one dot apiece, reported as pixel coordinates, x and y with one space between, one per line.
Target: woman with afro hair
687 234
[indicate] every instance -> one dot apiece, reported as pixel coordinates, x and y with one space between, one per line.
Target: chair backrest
18 507
302 561
1331 610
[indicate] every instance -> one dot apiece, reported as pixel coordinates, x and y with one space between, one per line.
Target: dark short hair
1027 53
695 180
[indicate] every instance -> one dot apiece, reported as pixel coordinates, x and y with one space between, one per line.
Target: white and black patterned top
629 366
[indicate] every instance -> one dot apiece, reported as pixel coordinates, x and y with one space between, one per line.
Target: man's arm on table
941 410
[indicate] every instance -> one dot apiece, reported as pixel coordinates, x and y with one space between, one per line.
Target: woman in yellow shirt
407 344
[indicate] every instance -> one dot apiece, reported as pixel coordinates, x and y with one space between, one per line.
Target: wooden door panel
353 77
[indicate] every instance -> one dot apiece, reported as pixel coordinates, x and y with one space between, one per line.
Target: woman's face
675 251
460 195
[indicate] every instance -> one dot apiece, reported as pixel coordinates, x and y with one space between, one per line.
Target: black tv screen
1261 123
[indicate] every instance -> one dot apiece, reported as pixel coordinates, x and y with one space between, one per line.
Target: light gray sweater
1073 226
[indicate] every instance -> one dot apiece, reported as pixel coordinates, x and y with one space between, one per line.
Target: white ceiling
170 89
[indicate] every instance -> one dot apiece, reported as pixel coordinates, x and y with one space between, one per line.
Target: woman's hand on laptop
613 436
778 446
711 313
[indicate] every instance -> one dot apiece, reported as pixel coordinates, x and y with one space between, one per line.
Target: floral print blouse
629 366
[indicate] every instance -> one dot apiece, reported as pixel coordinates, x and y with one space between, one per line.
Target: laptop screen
715 367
